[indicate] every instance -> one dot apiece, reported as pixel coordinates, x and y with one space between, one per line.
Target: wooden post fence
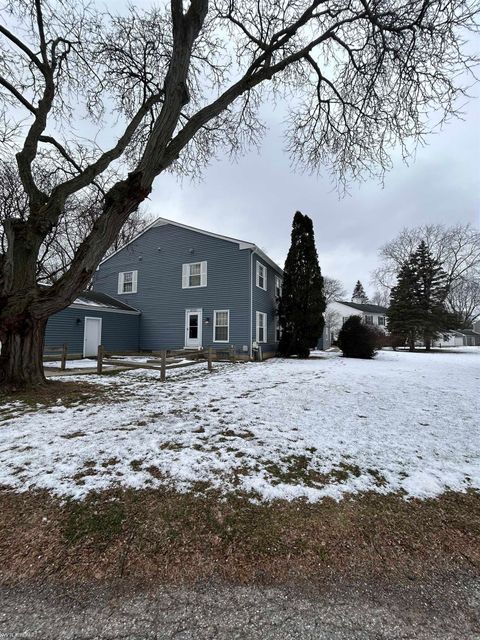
63 359
100 355
209 359
163 364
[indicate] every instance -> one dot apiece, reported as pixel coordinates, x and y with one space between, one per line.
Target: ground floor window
222 325
261 327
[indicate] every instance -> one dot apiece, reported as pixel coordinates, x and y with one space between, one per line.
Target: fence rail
171 358
51 351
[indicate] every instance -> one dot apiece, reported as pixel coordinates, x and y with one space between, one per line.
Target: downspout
251 303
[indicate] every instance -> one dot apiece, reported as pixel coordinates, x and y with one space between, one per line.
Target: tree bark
411 343
21 358
428 343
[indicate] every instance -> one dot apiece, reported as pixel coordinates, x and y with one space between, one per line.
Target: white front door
92 336
193 328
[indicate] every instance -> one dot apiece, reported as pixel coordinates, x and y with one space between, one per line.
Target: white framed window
221 325
194 274
261 276
127 281
381 321
261 326
368 319
278 287
278 330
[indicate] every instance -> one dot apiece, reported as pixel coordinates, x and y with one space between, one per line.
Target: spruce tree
359 296
431 293
403 318
302 303
417 303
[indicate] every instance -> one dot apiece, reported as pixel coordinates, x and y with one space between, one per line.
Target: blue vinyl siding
158 255
120 331
265 302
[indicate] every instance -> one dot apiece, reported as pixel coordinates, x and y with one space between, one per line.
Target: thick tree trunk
21 357
428 343
411 343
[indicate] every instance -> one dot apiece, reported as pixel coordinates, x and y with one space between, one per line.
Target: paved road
438 610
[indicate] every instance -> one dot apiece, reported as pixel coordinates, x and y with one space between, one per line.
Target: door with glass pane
193 328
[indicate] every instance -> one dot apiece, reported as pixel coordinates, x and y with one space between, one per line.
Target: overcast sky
255 198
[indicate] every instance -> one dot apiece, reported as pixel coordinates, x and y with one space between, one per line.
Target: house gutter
251 302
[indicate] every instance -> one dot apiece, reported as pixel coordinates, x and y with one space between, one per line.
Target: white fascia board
97 309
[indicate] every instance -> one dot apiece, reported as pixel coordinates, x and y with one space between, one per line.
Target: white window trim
121 282
227 311
257 279
186 275
257 327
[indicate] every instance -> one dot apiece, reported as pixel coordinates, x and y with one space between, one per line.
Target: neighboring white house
339 311
450 339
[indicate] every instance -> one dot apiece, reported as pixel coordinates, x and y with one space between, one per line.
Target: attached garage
93 319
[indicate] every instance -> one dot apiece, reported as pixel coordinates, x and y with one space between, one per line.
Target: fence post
100 353
163 364
63 362
232 354
209 359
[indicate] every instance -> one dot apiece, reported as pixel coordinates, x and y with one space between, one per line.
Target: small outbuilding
93 319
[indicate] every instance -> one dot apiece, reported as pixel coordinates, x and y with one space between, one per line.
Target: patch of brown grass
165 536
49 394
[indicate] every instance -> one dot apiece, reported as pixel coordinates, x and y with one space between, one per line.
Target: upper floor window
222 325
261 327
127 282
194 274
368 319
278 287
261 276
381 321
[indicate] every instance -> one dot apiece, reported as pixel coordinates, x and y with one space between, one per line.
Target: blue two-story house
194 289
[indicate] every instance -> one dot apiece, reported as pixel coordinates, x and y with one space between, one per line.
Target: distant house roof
242 244
99 301
367 308
469 332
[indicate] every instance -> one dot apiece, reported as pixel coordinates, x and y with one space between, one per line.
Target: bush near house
358 340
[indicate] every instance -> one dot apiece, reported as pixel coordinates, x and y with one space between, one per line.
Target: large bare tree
457 248
73 226
181 82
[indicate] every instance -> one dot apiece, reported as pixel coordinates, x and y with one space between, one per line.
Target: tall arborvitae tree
359 296
417 304
302 303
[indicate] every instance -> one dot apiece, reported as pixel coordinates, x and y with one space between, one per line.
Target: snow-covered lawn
327 426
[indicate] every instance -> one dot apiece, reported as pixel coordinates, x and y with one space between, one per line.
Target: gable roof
242 244
366 308
101 301
469 332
